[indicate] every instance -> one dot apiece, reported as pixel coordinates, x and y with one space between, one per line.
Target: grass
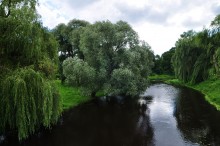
161 77
210 88
70 96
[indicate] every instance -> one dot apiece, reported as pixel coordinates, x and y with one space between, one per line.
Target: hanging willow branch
27 102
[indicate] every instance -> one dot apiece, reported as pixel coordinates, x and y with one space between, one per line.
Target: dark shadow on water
197 120
103 122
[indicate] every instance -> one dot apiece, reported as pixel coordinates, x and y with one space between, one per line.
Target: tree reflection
195 118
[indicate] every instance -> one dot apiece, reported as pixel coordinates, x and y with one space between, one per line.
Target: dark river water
173 117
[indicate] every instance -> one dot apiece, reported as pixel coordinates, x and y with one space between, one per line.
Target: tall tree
215 49
194 57
114 62
28 52
185 56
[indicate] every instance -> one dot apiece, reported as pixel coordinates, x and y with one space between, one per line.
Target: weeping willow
216 61
28 101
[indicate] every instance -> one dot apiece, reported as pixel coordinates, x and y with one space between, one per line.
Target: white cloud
158 22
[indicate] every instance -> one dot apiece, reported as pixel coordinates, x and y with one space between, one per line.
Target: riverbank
210 88
71 96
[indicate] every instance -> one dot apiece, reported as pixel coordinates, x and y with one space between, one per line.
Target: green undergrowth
210 88
100 93
160 77
71 96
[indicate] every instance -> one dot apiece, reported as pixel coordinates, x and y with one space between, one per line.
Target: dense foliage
162 64
114 60
68 37
28 54
196 57
28 101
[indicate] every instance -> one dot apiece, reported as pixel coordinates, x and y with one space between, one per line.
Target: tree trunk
93 94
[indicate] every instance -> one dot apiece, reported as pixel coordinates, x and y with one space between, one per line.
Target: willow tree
215 51
191 59
197 55
114 60
28 52
185 56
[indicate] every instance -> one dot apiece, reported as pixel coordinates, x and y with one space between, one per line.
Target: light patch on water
162 119
2 138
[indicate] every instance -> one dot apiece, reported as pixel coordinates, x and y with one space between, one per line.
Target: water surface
173 117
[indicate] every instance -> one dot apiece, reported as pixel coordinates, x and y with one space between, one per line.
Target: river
174 116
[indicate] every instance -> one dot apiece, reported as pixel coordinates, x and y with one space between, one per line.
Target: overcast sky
158 22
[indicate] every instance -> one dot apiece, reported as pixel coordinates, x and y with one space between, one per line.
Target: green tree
196 57
118 63
28 52
7 5
193 55
163 65
68 37
215 49
185 56
166 65
157 68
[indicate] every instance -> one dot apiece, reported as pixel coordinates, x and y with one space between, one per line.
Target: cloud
80 4
216 8
159 22
147 13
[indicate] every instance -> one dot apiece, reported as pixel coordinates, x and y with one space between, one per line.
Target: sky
158 22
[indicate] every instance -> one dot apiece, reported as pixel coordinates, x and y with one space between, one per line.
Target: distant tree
157 68
166 65
113 62
163 65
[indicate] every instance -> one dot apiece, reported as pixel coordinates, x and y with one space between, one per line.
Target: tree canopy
162 64
196 57
28 56
114 61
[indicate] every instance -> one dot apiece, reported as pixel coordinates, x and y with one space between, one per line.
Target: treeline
195 57
28 61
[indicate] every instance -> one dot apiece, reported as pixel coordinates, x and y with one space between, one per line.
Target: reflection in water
172 117
2 138
162 120
104 122
197 120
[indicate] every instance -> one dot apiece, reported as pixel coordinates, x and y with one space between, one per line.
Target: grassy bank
71 96
162 78
210 88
